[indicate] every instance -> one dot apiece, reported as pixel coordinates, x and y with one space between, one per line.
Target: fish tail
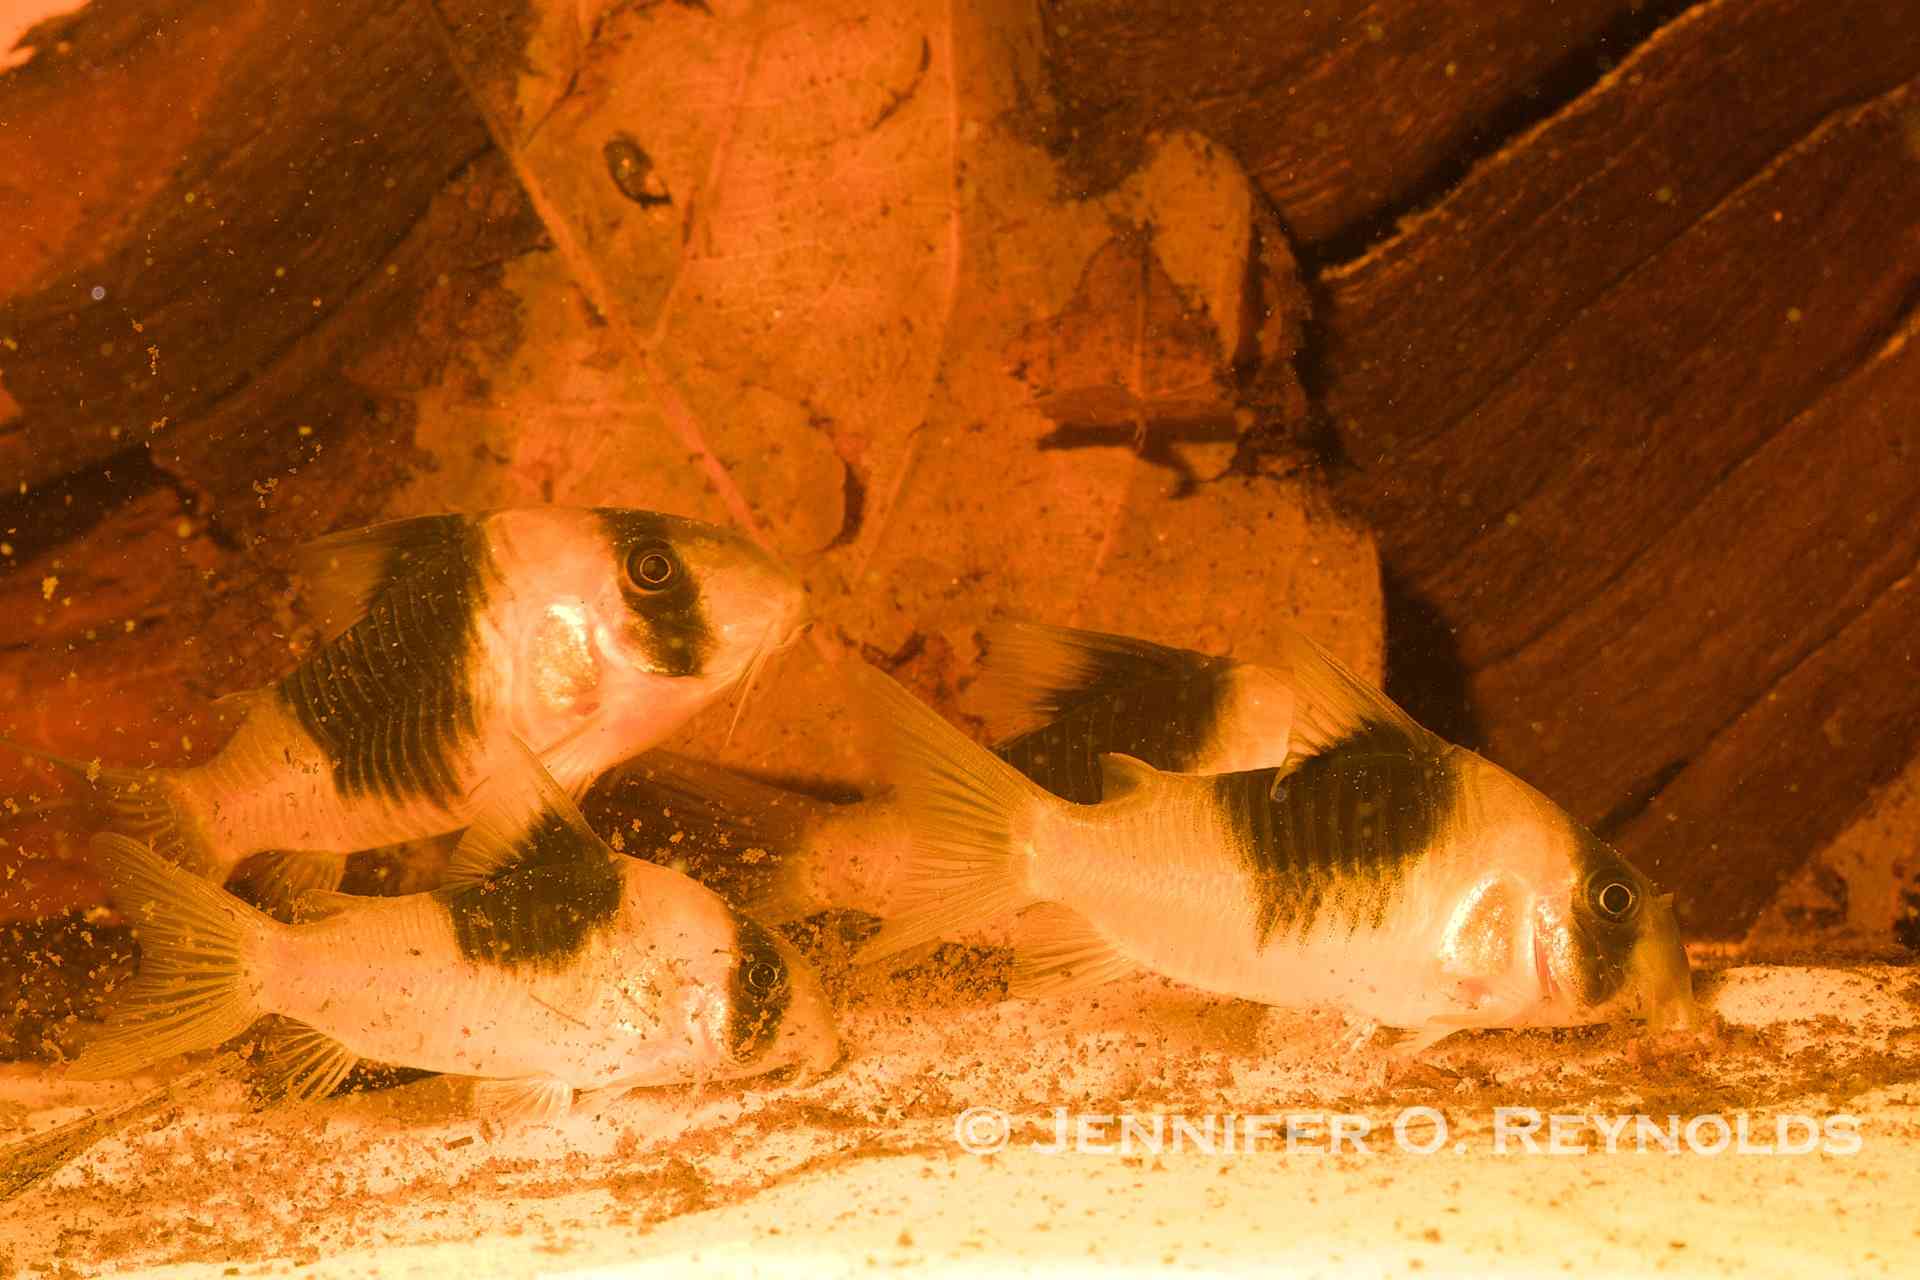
750 839
963 806
197 984
151 805
147 804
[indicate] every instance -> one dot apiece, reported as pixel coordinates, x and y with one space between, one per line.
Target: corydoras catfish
588 634
1379 869
547 963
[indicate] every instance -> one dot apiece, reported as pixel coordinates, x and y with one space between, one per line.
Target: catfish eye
764 977
1613 898
652 567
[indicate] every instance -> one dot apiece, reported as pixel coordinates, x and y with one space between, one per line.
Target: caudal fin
196 986
145 804
962 805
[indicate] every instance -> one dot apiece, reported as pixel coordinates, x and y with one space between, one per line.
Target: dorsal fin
521 816
1032 674
1123 775
343 572
1332 704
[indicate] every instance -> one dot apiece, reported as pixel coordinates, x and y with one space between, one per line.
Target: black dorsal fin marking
530 883
343 572
1364 794
521 815
1069 697
1333 704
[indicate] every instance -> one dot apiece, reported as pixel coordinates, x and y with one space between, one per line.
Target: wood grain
1624 410
264 161
1343 111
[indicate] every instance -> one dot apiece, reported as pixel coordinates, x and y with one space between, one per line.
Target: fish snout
809 1041
789 605
823 1057
755 606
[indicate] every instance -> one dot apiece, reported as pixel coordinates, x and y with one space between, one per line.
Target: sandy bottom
863 1172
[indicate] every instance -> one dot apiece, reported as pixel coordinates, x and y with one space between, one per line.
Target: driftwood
1632 410
1599 311
1346 112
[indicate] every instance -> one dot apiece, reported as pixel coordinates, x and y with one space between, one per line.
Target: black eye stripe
764 977
755 1009
669 613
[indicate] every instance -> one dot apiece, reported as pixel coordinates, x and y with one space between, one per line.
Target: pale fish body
588 634
1380 869
547 964
640 983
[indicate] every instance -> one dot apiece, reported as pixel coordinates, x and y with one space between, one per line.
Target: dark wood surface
1632 411
1344 111
163 446
256 165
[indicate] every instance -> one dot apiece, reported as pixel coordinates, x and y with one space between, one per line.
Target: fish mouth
808 1070
795 631
1665 977
792 1064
